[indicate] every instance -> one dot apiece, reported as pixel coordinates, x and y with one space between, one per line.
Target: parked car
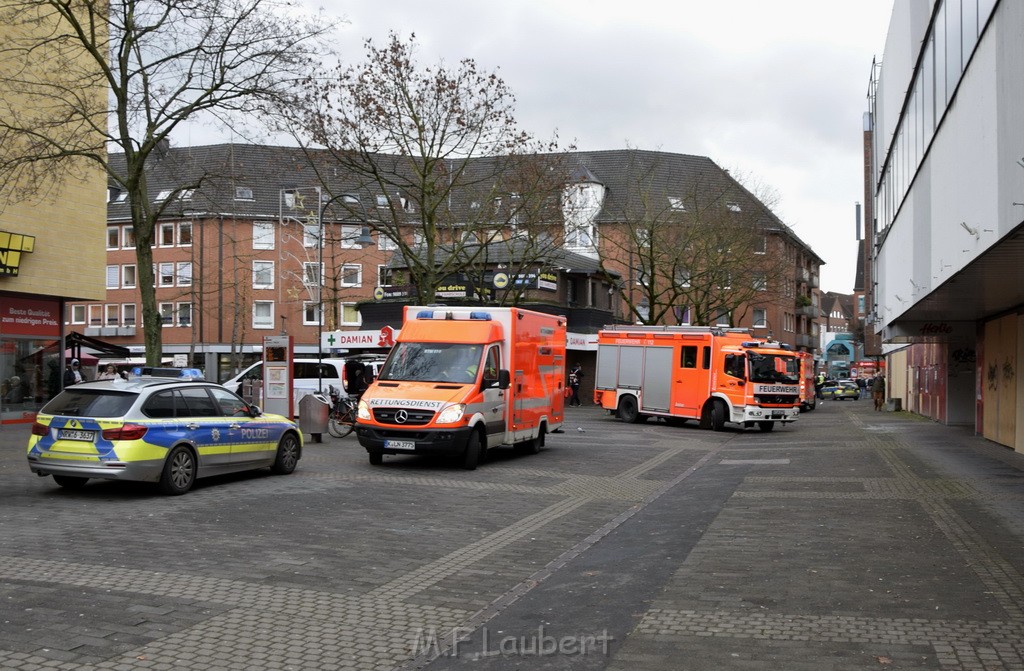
170 431
310 375
838 390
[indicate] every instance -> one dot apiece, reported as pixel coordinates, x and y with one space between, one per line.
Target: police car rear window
90 403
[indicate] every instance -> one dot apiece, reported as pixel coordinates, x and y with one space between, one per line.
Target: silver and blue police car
167 430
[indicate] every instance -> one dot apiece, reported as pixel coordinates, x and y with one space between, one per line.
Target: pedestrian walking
878 391
575 378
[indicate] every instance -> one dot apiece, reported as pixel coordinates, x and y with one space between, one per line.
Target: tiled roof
222 169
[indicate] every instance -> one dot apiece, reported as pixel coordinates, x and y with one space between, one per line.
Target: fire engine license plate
399 445
75 434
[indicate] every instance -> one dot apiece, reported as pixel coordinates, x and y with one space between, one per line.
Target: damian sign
12 247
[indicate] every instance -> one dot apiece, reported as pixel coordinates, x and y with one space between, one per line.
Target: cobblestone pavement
849 540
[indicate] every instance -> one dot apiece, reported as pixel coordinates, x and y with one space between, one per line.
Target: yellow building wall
898 376
67 215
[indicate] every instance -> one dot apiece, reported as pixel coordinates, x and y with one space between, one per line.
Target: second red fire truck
709 374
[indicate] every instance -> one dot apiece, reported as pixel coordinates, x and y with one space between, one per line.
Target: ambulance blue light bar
450 314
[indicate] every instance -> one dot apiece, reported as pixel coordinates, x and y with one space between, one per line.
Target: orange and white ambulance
710 374
461 380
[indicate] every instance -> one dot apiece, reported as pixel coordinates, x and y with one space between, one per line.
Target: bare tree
437 149
123 76
693 241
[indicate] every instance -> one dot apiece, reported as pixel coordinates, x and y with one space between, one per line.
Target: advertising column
277 375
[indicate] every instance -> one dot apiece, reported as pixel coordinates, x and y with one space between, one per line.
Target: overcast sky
773 89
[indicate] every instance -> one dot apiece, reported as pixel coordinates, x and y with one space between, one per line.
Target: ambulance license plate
399 445
75 434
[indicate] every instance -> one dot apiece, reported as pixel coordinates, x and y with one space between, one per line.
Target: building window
128 314
263 315
262 274
760 282
184 314
311 275
262 235
166 235
163 195
167 274
760 318
184 272
723 318
385 244
185 234
95 315
311 314
128 237
383 276
110 314
733 206
128 276
677 204
684 315
77 314
382 200
113 237
167 314
761 244
310 235
349 314
243 193
351 275
112 276
349 235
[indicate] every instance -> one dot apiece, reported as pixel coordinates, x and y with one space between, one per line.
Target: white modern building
946 115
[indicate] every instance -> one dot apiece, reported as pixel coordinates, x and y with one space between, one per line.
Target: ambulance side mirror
504 379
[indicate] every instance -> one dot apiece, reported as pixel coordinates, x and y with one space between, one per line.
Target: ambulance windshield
433 362
774 368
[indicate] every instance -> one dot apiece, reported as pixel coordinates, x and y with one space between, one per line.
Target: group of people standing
876 385
73 373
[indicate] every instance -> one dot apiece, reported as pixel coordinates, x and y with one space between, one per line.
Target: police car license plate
76 434
399 445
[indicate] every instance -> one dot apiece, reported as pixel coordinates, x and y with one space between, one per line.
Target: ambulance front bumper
387 440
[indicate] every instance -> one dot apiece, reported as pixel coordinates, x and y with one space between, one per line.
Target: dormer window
676 204
163 195
733 206
244 193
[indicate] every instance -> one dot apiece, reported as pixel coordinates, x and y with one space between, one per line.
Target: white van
310 375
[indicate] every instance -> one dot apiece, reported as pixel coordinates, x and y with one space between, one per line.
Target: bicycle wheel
342 424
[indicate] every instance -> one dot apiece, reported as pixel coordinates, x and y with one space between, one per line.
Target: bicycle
342 420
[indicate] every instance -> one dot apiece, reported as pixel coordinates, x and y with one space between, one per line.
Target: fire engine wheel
766 426
629 412
471 458
717 416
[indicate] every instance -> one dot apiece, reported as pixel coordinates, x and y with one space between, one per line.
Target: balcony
811 311
804 340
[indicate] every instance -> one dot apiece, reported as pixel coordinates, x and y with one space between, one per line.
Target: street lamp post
364 240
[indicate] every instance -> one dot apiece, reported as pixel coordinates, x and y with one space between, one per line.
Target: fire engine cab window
688 357
735 365
706 363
